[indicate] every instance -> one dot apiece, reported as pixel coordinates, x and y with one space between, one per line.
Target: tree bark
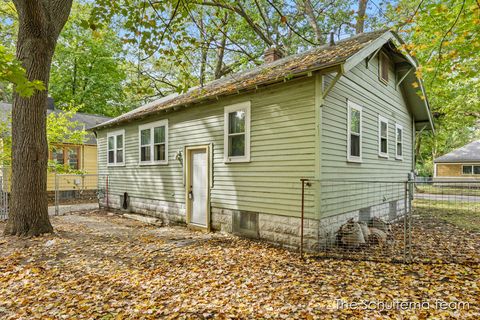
39 26
362 8
312 20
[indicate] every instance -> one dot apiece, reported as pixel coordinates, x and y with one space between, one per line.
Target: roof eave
324 68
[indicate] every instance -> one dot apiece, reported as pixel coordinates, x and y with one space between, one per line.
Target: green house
229 156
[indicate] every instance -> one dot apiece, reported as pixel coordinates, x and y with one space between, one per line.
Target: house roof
83 119
345 54
467 153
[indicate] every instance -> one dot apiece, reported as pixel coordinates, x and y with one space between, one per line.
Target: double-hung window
116 148
398 142
382 137
154 142
354 139
66 155
72 157
237 132
58 155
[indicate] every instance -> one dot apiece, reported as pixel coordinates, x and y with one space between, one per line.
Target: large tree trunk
40 23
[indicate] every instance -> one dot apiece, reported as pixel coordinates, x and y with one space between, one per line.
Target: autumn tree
445 37
39 25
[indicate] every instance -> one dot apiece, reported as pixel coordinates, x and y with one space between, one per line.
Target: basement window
245 223
354 139
383 66
382 137
153 142
237 132
115 148
398 142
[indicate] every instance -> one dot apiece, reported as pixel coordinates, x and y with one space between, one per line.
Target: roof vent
272 54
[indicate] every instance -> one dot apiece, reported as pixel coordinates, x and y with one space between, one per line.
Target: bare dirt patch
106 267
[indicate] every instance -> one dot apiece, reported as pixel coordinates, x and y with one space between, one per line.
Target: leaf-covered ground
106 267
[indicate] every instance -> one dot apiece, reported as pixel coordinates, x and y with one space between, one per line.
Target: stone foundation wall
168 212
276 229
281 230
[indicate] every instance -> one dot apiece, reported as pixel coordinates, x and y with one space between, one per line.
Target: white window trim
352 105
380 153
470 165
399 126
115 134
382 55
151 126
228 109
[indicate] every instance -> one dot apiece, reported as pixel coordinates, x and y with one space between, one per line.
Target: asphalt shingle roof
83 119
317 58
467 153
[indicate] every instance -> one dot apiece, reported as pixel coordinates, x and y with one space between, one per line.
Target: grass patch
456 190
465 215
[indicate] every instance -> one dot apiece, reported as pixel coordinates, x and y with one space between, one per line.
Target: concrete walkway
63 209
447 197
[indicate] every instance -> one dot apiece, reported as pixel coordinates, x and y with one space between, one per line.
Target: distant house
460 164
229 155
82 157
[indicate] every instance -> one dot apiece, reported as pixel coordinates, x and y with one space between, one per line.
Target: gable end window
153 143
471 169
398 142
383 66
115 148
382 137
354 139
237 132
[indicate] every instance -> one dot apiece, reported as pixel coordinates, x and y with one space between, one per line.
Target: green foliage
89 68
11 71
445 37
62 168
60 129
5 139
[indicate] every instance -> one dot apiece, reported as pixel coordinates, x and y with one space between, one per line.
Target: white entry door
198 187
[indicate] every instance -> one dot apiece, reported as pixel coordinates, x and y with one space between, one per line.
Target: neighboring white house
229 156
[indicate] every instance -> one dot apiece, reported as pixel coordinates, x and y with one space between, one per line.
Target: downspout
414 142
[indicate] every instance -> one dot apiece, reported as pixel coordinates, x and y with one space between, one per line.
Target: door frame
188 173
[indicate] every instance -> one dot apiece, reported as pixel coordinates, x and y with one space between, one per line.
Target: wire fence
427 221
4 192
78 192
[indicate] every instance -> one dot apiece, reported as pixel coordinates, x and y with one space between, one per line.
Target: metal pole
302 216
106 190
411 190
405 221
56 194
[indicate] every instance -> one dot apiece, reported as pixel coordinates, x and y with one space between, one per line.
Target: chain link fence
4 192
78 192
404 221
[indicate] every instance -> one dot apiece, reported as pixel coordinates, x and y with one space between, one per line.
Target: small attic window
383 64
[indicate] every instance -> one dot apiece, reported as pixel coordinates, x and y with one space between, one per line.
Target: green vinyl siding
362 86
282 151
